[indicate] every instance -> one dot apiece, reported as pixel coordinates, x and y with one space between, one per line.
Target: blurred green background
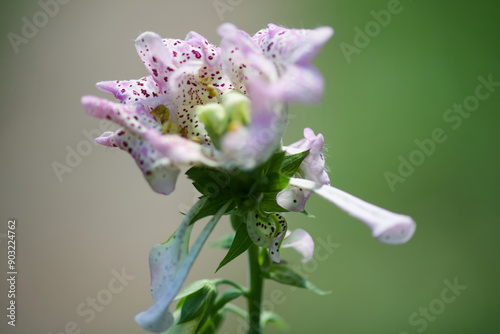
394 89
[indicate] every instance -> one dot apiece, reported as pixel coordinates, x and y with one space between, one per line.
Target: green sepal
285 275
274 164
240 244
274 182
291 163
278 171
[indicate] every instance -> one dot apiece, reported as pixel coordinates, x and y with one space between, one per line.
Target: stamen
161 113
169 127
184 132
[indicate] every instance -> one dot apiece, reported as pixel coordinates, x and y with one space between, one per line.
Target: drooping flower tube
204 105
386 226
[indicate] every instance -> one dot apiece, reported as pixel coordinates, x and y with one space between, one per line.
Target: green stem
255 292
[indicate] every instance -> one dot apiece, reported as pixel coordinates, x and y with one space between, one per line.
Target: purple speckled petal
302 242
181 150
387 227
155 56
313 168
209 52
158 169
293 199
242 59
298 84
131 116
144 90
286 46
292 50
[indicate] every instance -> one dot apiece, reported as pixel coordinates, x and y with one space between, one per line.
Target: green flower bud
214 116
237 106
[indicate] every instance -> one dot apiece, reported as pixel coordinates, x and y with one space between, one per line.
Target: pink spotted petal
386 226
105 139
210 53
291 51
127 116
302 242
185 87
144 90
180 150
242 58
313 168
298 84
155 56
287 46
293 199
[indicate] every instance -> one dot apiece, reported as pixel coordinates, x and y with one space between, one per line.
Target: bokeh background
102 216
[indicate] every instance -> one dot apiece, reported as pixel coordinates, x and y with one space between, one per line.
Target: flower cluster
222 110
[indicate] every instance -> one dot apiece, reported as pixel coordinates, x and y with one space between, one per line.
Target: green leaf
291 163
212 205
287 276
236 221
209 180
240 244
276 182
224 242
198 304
274 164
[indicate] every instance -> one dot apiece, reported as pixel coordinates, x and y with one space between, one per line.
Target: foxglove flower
388 227
211 106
